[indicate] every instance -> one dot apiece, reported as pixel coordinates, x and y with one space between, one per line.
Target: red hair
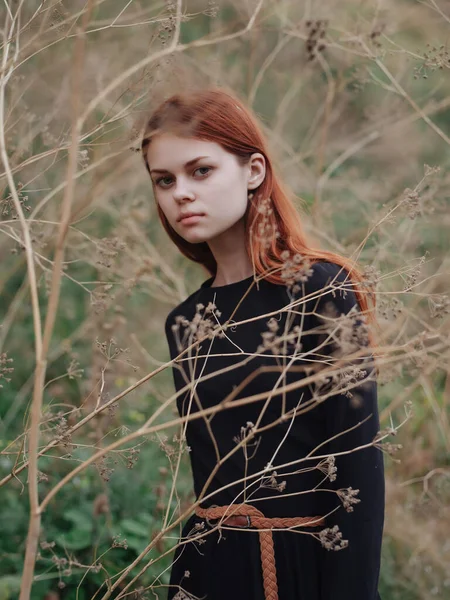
218 116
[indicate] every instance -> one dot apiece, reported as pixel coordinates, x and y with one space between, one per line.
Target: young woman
288 479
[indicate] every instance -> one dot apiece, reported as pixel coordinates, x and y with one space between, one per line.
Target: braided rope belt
245 515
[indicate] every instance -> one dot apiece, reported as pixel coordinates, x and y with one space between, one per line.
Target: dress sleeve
169 334
171 338
179 375
351 573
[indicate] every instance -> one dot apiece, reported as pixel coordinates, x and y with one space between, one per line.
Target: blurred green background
355 100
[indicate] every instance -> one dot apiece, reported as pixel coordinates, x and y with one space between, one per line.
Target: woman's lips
191 220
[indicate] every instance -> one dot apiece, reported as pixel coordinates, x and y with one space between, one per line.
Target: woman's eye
162 181
165 182
200 168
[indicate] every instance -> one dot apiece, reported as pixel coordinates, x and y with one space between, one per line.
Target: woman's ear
256 170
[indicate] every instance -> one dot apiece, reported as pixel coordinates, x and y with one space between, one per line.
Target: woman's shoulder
330 282
321 275
326 272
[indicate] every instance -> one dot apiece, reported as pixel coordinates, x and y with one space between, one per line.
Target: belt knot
248 516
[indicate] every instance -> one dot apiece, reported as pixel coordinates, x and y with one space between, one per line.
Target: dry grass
356 106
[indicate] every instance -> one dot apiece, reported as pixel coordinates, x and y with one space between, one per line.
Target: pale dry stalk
144 431
41 352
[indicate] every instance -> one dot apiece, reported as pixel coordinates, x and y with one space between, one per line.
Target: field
354 98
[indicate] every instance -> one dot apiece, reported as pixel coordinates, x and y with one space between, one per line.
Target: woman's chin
195 237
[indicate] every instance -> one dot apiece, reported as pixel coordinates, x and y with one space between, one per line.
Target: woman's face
195 176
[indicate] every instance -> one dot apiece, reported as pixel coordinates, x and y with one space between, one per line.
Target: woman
289 504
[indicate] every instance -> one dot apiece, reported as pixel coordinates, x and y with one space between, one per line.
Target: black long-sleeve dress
227 563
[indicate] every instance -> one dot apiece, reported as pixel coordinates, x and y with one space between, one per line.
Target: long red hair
216 115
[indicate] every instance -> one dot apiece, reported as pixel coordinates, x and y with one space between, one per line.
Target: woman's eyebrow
188 164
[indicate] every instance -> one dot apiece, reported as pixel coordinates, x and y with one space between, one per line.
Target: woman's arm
351 573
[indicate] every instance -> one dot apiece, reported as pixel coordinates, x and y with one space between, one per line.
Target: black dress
226 564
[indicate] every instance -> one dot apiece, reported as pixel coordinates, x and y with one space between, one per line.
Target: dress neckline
207 284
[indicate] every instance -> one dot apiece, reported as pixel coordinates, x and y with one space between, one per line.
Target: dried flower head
267 229
181 595
272 483
61 431
412 277
101 298
435 57
280 344
42 476
4 368
83 158
439 306
8 207
328 466
107 250
348 376
412 203
348 498
204 323
104 471
389 308
118 543
213 8
316 33
295 269
349 332
73 370
331 538
371 277
389 448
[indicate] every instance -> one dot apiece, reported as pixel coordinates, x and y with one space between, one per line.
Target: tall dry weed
355 99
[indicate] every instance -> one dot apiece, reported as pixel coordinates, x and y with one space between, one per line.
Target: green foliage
349 141
87 525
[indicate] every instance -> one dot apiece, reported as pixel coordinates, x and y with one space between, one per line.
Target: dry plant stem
28 384
436 8
174 47
155 256
192 507
260 474
24 225
12 310
77 175
19 455
260 75
147 377
183 436
286 367
201 414
93 414
47 153
404 94
41 357
431 108
141 432
250 434
331 93
243 480
38 36
441 416
116 398
406 393
426 478
156 414
18 207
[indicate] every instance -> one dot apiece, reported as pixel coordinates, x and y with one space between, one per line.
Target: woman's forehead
170 148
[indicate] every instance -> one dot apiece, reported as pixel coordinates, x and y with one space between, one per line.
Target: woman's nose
182 191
